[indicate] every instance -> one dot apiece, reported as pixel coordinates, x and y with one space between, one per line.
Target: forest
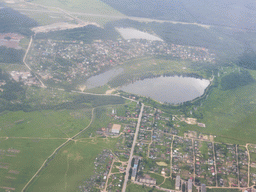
12 21
236 79
10 55
86 34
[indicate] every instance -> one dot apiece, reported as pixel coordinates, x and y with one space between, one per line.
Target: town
168 161
67 61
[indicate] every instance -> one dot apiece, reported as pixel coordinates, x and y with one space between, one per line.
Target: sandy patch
161 163
109 92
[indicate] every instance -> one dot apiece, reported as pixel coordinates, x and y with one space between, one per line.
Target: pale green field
73 164
49 18
13 67
21 165
229 115
88 6
44 124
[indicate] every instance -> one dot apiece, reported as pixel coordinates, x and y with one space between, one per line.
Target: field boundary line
57 149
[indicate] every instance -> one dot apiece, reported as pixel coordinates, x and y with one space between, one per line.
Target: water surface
172 90
103 78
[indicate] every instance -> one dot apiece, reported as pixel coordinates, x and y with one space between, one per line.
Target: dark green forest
247 60
236 79
15 22
86 34
10 55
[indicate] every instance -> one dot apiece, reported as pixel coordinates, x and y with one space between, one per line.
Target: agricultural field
44 124
72 166
90 6
20 158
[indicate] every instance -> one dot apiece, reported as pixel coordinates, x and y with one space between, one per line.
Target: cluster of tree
10 55
12 90
13 21
3 75
209 12
173 10
247 60
236 79
86 34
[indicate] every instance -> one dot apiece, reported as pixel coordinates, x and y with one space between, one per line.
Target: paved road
133 145
24 61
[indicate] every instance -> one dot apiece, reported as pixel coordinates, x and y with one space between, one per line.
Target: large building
190 185
134 173
148 180
116 128
177 183
203 188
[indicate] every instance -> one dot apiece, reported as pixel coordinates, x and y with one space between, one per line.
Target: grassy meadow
89 6
73 164
21 158
44 124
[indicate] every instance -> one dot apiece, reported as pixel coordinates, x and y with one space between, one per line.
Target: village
165 159
65 61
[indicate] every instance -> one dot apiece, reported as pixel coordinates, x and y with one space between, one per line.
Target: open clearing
44 124
88 6
21 158
73 164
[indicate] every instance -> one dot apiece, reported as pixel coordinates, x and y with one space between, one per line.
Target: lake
131 33
103 78
172 90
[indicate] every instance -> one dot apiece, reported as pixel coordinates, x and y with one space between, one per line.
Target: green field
223 190
139 188
13 67
168 184
72 164
48 18
89 6
230 115
44 124
28 155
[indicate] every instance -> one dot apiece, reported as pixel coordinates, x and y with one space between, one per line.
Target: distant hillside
234 13
13 21
86 34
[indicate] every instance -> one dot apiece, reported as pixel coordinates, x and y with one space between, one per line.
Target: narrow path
54 152
33 138
132 149
238 173
171 157
66 174
106 184
194 161
249 164
215 165
25 63
149 145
